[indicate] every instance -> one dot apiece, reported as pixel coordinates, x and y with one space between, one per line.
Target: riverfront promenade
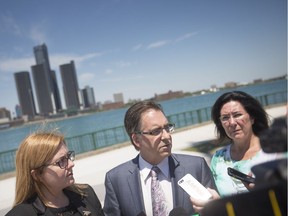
92 168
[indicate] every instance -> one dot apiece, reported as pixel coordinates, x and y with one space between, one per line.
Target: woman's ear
252 120
34 174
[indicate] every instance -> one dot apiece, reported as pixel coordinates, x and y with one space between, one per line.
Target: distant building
25 94
18 111
4 113
42 58
44 94
257 80
88 97
116 105
230 85
56 92
118 97
213 88
168 96
70 85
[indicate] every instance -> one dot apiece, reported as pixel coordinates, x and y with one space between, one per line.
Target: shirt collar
145 167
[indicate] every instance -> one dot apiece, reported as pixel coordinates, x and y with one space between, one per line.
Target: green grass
207 147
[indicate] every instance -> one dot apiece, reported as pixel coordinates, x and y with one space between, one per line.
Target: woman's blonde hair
34 152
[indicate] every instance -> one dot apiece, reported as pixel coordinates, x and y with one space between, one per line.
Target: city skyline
145 47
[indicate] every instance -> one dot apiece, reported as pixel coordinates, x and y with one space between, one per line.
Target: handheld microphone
178 211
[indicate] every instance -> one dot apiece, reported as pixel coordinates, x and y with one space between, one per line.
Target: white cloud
124 64
8 24
60 59
137 47
15 65
86 77
158 44
186 36
108 71
37 34
162 43
24 64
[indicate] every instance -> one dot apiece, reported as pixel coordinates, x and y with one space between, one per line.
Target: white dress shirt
164 180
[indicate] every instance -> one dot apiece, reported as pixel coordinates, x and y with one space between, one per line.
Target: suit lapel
176 172
134 183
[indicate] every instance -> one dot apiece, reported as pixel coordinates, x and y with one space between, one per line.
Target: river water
11 138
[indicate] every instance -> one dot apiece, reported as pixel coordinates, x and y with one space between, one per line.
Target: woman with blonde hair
45 183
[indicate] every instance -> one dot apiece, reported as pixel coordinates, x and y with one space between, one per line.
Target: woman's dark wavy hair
250 104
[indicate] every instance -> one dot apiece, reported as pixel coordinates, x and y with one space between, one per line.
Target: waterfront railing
113 136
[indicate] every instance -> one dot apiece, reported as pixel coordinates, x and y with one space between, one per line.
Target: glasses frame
234 116
69 156
169 128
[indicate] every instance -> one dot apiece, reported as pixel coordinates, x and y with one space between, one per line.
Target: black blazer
88 205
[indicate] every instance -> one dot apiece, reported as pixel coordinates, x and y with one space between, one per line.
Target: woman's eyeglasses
235 116
63 162
169 128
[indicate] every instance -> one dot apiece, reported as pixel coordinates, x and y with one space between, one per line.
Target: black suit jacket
88 205
124 191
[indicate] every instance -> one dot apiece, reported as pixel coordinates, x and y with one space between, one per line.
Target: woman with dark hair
239 119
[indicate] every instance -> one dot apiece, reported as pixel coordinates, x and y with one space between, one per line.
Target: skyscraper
118 97
70 85
25 93
41 57
43 90
88 97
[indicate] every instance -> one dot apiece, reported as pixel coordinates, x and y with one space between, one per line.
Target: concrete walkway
92 169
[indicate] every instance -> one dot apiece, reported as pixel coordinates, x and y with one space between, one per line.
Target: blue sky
143 47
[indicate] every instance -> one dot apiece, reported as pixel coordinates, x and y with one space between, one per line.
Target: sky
143 47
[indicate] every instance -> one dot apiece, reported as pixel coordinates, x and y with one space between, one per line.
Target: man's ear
136 140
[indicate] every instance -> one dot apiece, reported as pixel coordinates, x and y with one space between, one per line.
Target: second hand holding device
239 175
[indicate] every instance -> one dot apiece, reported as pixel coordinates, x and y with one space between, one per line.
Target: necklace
64 211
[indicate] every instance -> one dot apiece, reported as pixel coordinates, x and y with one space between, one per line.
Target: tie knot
155 171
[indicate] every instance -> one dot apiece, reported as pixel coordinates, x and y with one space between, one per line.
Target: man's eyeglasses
235 116
169 128
63 162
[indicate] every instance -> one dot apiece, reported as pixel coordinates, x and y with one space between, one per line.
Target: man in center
130 186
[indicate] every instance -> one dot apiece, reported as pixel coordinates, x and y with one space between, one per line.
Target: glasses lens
169 128
63 163
156 131
224 118
71 155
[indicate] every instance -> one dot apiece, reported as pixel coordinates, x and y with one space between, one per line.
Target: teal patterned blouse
226 184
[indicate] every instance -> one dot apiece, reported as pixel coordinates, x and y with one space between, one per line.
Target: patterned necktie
158 198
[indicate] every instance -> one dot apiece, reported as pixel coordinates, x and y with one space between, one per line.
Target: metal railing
104 138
